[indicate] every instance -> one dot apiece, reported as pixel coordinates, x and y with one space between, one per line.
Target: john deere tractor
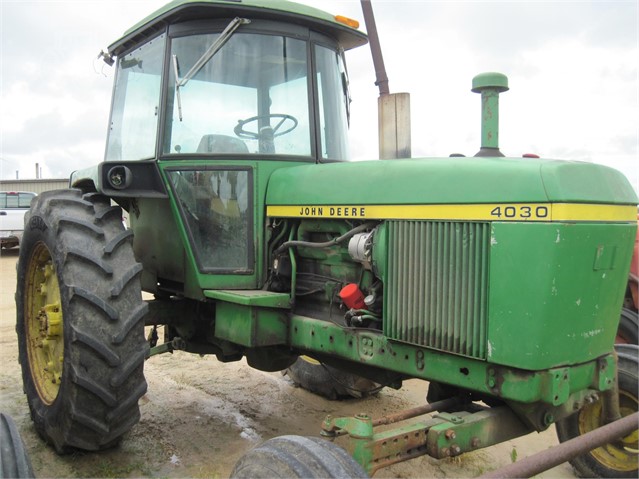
499 280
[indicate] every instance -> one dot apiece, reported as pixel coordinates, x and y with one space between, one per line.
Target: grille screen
437 287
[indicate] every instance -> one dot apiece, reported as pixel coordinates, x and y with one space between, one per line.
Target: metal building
36 186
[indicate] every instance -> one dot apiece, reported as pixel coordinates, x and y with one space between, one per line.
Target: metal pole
393 111
417 411
565 451
381 80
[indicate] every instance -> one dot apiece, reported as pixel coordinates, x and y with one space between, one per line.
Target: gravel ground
200 416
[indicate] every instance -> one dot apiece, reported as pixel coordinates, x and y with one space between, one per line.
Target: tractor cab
216 96
232 79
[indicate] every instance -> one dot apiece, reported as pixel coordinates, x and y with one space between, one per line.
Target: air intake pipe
490 85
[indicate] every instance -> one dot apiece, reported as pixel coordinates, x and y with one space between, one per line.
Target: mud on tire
80 321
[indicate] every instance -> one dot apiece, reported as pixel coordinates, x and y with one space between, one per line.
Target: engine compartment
332 264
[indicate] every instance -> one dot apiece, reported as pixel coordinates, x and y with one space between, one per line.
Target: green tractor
499 280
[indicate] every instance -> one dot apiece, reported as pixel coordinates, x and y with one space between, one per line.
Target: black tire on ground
14 460
628 330
439 392
617 459
328 381
80 321
297 456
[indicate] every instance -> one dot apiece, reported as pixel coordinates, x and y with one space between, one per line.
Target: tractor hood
450 181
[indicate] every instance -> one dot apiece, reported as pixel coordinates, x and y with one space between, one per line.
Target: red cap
352 296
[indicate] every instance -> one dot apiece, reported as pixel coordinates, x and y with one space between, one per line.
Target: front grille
437 285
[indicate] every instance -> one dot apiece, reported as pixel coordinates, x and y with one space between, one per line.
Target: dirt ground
200 416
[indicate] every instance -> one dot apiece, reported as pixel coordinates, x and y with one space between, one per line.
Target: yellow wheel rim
43 324
621 455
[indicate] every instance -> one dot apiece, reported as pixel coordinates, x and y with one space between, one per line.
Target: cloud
572 68
571 65
55 95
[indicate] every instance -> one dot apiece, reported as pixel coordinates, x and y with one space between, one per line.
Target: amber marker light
347 21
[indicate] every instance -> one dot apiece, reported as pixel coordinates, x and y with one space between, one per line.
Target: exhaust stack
393 109
490 85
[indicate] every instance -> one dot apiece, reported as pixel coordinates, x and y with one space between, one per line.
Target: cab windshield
251 97
246 94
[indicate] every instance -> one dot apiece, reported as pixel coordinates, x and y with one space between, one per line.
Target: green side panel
160 250
250 326
437 279
371 348
450 181
555 292
258 298
90 175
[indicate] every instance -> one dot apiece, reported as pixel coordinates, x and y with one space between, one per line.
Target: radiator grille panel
436 292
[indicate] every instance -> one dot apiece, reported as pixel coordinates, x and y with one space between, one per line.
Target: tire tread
103 311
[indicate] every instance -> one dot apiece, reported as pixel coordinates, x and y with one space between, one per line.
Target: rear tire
330 382
628 330
613 460
296 457
14 460
80 321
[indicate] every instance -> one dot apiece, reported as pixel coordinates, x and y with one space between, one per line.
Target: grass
109 469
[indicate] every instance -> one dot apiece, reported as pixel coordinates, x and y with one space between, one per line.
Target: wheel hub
44 325
620 455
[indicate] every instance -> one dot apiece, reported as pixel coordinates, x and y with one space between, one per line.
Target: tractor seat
221 144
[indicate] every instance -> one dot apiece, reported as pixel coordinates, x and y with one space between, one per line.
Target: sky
573 69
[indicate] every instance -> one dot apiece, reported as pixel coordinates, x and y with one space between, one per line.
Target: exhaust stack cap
494 81
490 85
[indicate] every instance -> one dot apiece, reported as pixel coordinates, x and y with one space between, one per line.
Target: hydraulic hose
340 239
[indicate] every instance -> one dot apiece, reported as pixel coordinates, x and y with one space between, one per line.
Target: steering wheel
253 135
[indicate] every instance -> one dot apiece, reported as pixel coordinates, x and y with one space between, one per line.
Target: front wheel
618 459
14 460
80 321
330 382
297 457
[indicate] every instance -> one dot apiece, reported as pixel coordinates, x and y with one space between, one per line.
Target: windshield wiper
203 60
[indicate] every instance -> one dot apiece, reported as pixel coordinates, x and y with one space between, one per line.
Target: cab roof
282 10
